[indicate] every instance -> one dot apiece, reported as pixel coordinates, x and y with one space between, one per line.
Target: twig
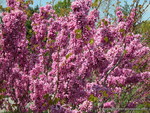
57 84
99 5
118 62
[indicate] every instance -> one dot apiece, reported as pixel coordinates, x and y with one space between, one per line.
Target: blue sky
43 3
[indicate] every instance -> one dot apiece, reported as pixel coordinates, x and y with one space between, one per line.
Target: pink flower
109 104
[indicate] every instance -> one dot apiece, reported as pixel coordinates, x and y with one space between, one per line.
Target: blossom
67 59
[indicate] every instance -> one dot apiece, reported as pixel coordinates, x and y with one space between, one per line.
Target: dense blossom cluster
17 4
69 63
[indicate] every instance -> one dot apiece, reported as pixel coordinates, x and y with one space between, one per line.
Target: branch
57 83
99 5
118 62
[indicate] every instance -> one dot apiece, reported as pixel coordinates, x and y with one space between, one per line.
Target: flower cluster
68 65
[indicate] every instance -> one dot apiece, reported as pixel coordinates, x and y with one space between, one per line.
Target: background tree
62 8
108 7
30 11
144 29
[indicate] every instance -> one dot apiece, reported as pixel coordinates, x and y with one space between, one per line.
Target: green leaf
45 39
2 90
125 52
104 93
105 22
106 39
50 102
95 3
122 30
78 33
87 27
78 36
91 41
46 54
46 96
56 100
8 9
147 104
140 106
2 97
53 102
92 98
1 7
44 104
68 55
29 92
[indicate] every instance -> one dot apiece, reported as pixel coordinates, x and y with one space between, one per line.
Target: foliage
62 8
143 28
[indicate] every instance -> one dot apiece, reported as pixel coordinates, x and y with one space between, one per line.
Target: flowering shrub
69 64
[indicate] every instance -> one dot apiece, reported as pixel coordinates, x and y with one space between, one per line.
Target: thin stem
57 84
118 62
